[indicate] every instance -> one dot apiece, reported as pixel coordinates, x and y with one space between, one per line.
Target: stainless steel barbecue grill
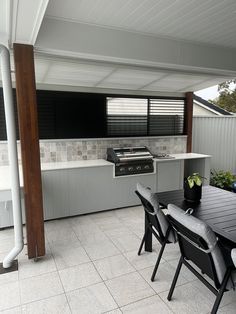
131 160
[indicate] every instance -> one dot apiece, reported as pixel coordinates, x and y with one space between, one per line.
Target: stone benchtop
5 183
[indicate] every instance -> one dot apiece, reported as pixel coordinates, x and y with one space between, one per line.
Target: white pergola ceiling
135 45
204 21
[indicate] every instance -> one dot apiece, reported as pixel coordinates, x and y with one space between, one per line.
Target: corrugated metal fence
216 136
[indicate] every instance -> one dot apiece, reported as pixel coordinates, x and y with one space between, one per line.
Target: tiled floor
92 267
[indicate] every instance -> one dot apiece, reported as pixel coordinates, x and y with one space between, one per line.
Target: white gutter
13 159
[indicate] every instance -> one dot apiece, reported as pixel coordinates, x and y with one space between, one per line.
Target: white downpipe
13 160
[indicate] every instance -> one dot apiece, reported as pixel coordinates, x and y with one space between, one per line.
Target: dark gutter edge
211 106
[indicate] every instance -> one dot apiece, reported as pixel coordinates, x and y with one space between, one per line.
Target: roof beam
25 20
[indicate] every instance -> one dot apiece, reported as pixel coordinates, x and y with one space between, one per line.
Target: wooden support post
28 127
188 120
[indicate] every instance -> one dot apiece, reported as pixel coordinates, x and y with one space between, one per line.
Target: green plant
195 178
222 179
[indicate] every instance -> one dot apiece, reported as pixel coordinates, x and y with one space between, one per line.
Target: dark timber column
28 127
189 120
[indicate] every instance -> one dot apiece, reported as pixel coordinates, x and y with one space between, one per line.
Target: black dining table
217 208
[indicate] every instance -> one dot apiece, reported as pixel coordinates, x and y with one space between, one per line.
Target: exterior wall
67 150
200 111
216 136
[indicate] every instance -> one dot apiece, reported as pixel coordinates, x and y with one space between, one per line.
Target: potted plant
193 187
223 179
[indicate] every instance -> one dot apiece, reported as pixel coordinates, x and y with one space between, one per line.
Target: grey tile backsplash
67 150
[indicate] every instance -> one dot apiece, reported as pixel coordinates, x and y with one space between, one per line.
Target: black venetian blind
127 116
166 116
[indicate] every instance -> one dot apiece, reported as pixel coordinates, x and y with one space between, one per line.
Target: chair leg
221 292
142 243
158 261
175 279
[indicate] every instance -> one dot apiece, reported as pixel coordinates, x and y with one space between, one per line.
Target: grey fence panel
216 136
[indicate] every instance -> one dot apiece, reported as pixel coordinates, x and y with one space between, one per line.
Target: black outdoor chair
199 244
157 223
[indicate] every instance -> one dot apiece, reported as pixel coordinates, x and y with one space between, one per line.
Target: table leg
148 240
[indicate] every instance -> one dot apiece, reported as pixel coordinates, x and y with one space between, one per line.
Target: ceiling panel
211 21
129 77
176 82
79 73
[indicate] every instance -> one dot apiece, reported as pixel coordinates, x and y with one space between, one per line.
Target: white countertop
75 164
5 184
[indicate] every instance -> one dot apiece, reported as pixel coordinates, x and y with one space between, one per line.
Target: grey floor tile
187 299
153 304
228 309
14 310
107 222
144 260
163 279
94 299
83 230
29 268
69 255
60 234
114 266
118 232
100 250
129 288
116 311
9 295
79 276
93 238
228 297
53 305
40 287
126 242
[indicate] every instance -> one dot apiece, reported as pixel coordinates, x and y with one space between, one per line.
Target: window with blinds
127 116
166 117
145 116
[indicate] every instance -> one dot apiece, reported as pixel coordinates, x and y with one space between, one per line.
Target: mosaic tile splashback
67 150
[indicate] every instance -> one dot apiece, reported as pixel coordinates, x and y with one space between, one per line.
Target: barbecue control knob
146 167
122 169
131 168
138 167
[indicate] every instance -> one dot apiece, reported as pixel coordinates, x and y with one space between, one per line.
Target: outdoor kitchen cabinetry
79 187
82 190
170 175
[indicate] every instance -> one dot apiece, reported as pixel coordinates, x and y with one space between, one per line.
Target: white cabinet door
89 189
55 193
170 175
